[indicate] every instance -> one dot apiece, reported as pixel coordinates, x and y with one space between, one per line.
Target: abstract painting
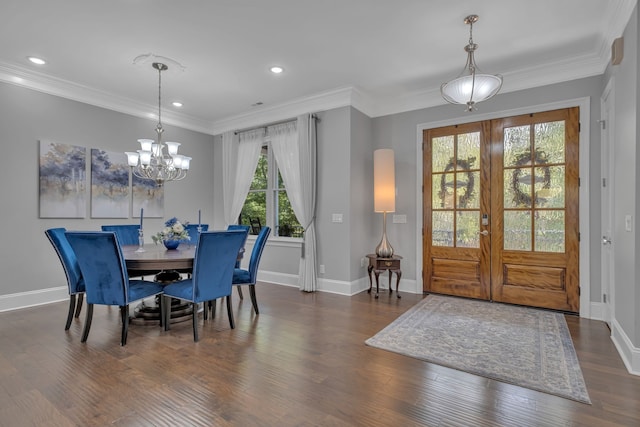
109 184
63 180
148 196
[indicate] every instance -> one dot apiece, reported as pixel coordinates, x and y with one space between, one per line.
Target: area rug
523 346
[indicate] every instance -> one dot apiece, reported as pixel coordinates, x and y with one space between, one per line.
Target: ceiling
380 56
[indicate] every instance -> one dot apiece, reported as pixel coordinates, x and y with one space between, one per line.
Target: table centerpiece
173 233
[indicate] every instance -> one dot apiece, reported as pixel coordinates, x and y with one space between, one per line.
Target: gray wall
29 262
626 201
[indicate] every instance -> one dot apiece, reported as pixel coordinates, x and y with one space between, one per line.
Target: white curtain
239 160
294 148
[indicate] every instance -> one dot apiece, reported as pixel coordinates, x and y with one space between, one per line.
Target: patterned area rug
522 346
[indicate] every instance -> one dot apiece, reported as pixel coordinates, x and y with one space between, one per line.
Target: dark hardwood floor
301 362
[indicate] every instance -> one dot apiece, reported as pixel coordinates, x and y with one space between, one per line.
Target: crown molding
66 89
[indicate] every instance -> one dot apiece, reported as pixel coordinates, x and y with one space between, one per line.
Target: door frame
607 217
585 238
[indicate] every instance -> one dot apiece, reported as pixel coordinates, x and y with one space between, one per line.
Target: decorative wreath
463 165
520 198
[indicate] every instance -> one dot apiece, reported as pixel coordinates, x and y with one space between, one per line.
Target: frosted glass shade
462 90
384 181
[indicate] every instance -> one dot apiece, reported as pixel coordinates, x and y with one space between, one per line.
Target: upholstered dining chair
213 265
127 233
192 229
105 274
248 277
246 229
75 282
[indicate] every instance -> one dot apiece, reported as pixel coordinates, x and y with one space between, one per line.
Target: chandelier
150 161
471 86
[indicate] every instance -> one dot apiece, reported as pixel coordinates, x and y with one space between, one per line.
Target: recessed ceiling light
176 104
276 69
36 60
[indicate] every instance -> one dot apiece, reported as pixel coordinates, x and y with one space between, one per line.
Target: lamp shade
384 181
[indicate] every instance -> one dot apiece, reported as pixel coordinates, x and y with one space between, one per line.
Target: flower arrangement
173 230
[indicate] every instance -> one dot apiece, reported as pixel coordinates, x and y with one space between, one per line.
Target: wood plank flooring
301 362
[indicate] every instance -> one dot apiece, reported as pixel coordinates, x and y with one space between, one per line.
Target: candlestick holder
140 241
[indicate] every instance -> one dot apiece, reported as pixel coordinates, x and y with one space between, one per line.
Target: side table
380 265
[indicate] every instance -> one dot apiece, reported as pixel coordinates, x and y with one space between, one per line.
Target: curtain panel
294 148
239 160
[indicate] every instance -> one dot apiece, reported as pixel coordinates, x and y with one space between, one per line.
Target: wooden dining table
157 258
166 266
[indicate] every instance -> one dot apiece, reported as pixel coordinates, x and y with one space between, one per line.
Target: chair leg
254 301
230 312
72 309
124 313
79 304
87 323
239 288
162 307
213 308
205 314
195 321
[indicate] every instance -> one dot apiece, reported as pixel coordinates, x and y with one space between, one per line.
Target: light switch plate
336 217
399 219
628 223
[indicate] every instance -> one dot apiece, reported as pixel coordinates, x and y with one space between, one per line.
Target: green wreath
464 165
520 198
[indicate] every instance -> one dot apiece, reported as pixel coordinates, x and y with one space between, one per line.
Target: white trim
585 113
630 355
33 298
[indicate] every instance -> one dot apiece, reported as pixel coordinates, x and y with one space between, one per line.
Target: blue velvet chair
127 233
192 229
246 229
248 277
213 265
75 282
105 274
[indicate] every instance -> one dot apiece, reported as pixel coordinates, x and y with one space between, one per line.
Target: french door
501 210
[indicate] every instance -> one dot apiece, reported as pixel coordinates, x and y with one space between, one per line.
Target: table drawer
391 264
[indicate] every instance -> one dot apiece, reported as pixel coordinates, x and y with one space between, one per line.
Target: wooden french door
501 210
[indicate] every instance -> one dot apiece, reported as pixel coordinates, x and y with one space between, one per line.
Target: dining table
166 266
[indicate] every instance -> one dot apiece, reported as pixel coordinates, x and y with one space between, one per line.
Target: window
267 202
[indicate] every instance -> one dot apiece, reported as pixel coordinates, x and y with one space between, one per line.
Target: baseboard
335 286
33 298
630 355
596 311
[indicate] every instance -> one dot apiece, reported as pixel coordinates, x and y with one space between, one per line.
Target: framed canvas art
148 196
109 184
62 180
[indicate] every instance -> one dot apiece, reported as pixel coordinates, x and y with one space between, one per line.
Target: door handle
484 232
606 240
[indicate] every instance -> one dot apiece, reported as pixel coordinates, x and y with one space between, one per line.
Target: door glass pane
517 145
549 231
517 188
467 186
287 224
549 140
549 185
442 228
468 151
442 191
255 206
468 224
517 230
441 152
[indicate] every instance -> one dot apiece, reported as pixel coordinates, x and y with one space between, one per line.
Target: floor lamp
384 194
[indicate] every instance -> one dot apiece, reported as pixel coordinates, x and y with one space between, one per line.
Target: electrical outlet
363 262
321 269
